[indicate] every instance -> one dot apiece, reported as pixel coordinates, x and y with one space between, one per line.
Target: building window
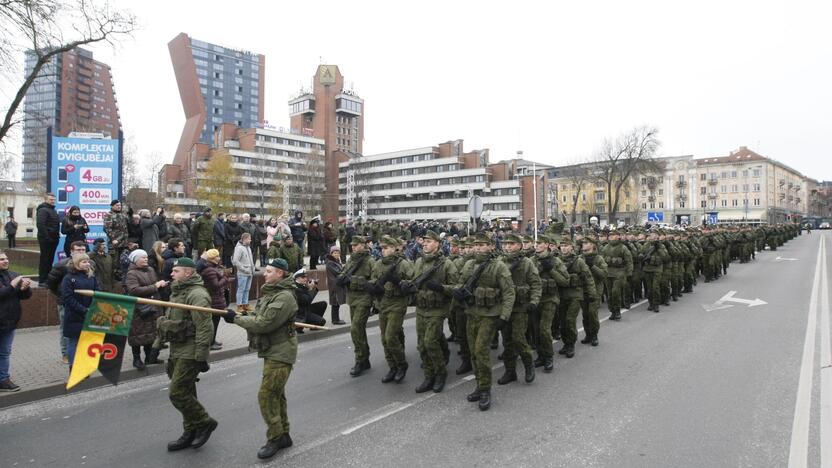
703 176
733 174
724 202
661 191
583 197
644 206
681 204
745 173
723 188
703 204
734 203
30 212
734 188
564 199
661 204
218 75
755 173
652 206
217 93
756 202
681 178
756 187
703 190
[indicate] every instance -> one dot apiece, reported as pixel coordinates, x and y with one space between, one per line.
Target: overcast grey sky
549 78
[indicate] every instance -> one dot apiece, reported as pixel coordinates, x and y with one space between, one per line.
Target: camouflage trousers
359 313
390 326
652 287
481 330
514 340
430 337
547 311
182 392
617 288
458 315
635 285
569 310
665 281
272 397
589 314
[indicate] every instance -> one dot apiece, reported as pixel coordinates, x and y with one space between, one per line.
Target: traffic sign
475 206
655 216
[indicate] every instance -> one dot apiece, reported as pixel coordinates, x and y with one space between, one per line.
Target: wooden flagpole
207 310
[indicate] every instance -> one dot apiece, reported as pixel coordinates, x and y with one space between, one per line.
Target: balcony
712 181
712 196
682 197
681 184
651 198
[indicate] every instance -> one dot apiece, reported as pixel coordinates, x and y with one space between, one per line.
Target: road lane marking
799 448
395 409
825 374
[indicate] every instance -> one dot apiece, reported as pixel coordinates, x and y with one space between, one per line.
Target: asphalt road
704 383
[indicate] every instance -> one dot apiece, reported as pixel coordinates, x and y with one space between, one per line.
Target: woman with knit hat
142 281
216 282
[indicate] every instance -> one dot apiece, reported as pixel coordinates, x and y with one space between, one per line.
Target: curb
58 389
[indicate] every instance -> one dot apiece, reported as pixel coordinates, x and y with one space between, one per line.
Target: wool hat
211 254
280 264
136 254
334 248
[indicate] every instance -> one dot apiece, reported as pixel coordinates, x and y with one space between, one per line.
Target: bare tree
577 175
130 165
617 160
153 166
48 28
307 187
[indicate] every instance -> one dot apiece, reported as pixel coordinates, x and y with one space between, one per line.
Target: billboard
84 172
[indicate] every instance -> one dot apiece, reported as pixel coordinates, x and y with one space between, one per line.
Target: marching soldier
386 285
571 296
458 309
190 335
271 331
354 277
553 276
433 277
653 260
591 300
619 260
526 299
486 287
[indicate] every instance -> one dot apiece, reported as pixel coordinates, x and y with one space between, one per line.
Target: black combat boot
529 373
426 385
202 436
594 340
464 368
389 376
569 351
656 309
562 350
474 396
184 441
586 339
510 375
272 446
152 357
485 400
548 365
359 368
439 382
539 362
400 373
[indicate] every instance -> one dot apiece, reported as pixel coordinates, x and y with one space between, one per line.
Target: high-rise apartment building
336 115
72 93
217 85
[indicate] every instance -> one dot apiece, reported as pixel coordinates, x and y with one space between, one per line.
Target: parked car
825 226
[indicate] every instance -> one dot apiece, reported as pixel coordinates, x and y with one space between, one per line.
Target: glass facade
41 109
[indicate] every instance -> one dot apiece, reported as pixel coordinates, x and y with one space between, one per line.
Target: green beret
512 239
184 262
432 236
483 238
280 264
358 240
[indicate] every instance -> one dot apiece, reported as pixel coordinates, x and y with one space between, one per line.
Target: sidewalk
36 358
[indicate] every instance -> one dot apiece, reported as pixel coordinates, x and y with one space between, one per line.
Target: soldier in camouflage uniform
354 277
653 261
667 270
553 276
619 260
433 280
571 296
527 291
202 232
458 310
115 226
190 334
591 300
489 299
386 285
271 331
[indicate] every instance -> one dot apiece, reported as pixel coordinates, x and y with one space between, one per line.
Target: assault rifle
346 277
465 293
378 289
420 280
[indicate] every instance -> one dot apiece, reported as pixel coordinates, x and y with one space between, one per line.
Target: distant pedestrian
337 294
13 289
244 264
11 231
49 233
316 246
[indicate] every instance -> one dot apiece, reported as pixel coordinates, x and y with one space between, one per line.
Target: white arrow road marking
751 303
784 258
729 297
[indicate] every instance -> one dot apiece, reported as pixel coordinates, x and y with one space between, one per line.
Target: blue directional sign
655 216
713 217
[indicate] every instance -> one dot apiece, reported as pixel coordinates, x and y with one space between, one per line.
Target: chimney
743 148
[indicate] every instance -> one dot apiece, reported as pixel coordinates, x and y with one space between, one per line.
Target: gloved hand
407 287
342 281
229 316
370 288
434 286
531 308
590 260
502 324
547 264
202 366
395 278
459 294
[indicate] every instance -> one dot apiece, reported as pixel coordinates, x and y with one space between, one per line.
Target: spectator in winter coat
49 233
219 232
216 282
233 231
155 258
13 289
298 229
175 250
330 236
244 263
316 245
103 264
261 239
124 261
80 276
11 231
74 227
150 227
134 229
142 281
178 229
337 294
